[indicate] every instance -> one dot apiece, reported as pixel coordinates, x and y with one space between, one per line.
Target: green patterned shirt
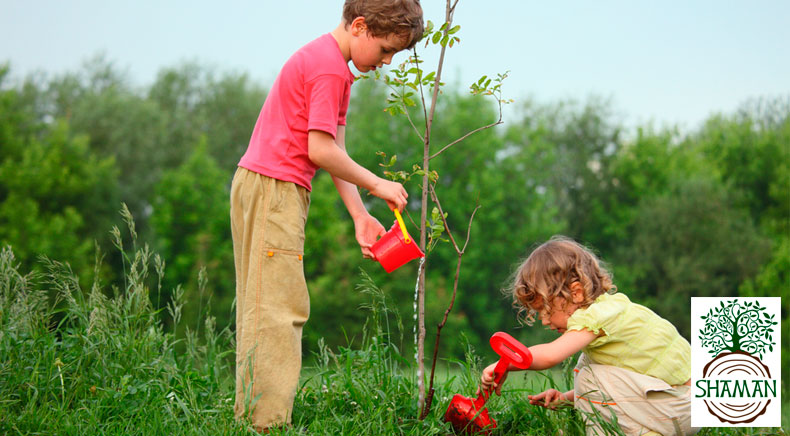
634 338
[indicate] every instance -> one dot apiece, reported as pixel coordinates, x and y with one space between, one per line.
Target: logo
735 362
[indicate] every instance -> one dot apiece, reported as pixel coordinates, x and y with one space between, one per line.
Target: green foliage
773 275
110 367
190 218
55 193
751 151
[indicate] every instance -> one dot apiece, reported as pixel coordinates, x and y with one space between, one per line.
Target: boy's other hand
367 230
393 192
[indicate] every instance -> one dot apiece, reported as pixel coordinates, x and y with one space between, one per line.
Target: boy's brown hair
388 17
549 271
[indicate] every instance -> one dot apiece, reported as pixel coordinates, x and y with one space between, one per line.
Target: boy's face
371 52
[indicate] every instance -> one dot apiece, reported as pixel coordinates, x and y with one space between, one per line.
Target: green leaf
437 37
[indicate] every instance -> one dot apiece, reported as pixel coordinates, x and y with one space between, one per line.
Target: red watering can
396 247
469 416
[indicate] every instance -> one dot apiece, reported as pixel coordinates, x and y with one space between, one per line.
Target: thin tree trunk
423 215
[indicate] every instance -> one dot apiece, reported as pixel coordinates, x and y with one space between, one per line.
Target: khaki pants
268 217
642 405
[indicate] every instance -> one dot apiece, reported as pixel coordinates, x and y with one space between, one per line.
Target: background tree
192 232
57 198
688 242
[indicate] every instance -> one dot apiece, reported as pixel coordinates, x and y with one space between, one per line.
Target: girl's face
556 315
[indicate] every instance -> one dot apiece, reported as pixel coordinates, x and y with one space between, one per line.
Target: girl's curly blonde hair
549 271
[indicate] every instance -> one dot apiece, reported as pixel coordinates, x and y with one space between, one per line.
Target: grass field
108 367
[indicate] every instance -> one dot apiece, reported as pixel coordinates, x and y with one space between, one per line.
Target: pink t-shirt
311 93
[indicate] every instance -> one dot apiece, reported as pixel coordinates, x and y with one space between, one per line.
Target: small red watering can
469 416
396 247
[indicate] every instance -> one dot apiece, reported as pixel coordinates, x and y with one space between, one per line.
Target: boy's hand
547 399
392 192
487 381
367 230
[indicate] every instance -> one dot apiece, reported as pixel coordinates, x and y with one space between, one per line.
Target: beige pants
267 221
642 405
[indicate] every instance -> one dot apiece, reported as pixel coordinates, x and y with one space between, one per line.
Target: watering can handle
406 237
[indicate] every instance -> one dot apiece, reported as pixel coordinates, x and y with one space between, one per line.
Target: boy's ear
358 26
577 293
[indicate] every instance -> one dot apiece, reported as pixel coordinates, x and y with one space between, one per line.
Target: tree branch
479 129
406 111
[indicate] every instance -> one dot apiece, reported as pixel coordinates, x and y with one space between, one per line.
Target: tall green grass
99 361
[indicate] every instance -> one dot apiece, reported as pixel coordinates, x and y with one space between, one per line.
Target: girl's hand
487 381
547 399
367 229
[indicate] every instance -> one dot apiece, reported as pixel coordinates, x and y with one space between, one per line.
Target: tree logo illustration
736 384
738 327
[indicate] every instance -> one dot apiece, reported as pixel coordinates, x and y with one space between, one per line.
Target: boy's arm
366 227
348 192
330 155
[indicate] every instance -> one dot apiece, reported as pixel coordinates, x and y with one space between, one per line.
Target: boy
301 128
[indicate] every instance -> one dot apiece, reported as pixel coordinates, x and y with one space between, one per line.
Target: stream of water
416 297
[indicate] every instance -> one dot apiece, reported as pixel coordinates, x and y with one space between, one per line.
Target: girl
634 369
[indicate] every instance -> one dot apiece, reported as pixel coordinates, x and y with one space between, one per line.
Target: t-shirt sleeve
327 100
599 317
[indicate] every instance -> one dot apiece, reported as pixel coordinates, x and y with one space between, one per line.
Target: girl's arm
544 356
